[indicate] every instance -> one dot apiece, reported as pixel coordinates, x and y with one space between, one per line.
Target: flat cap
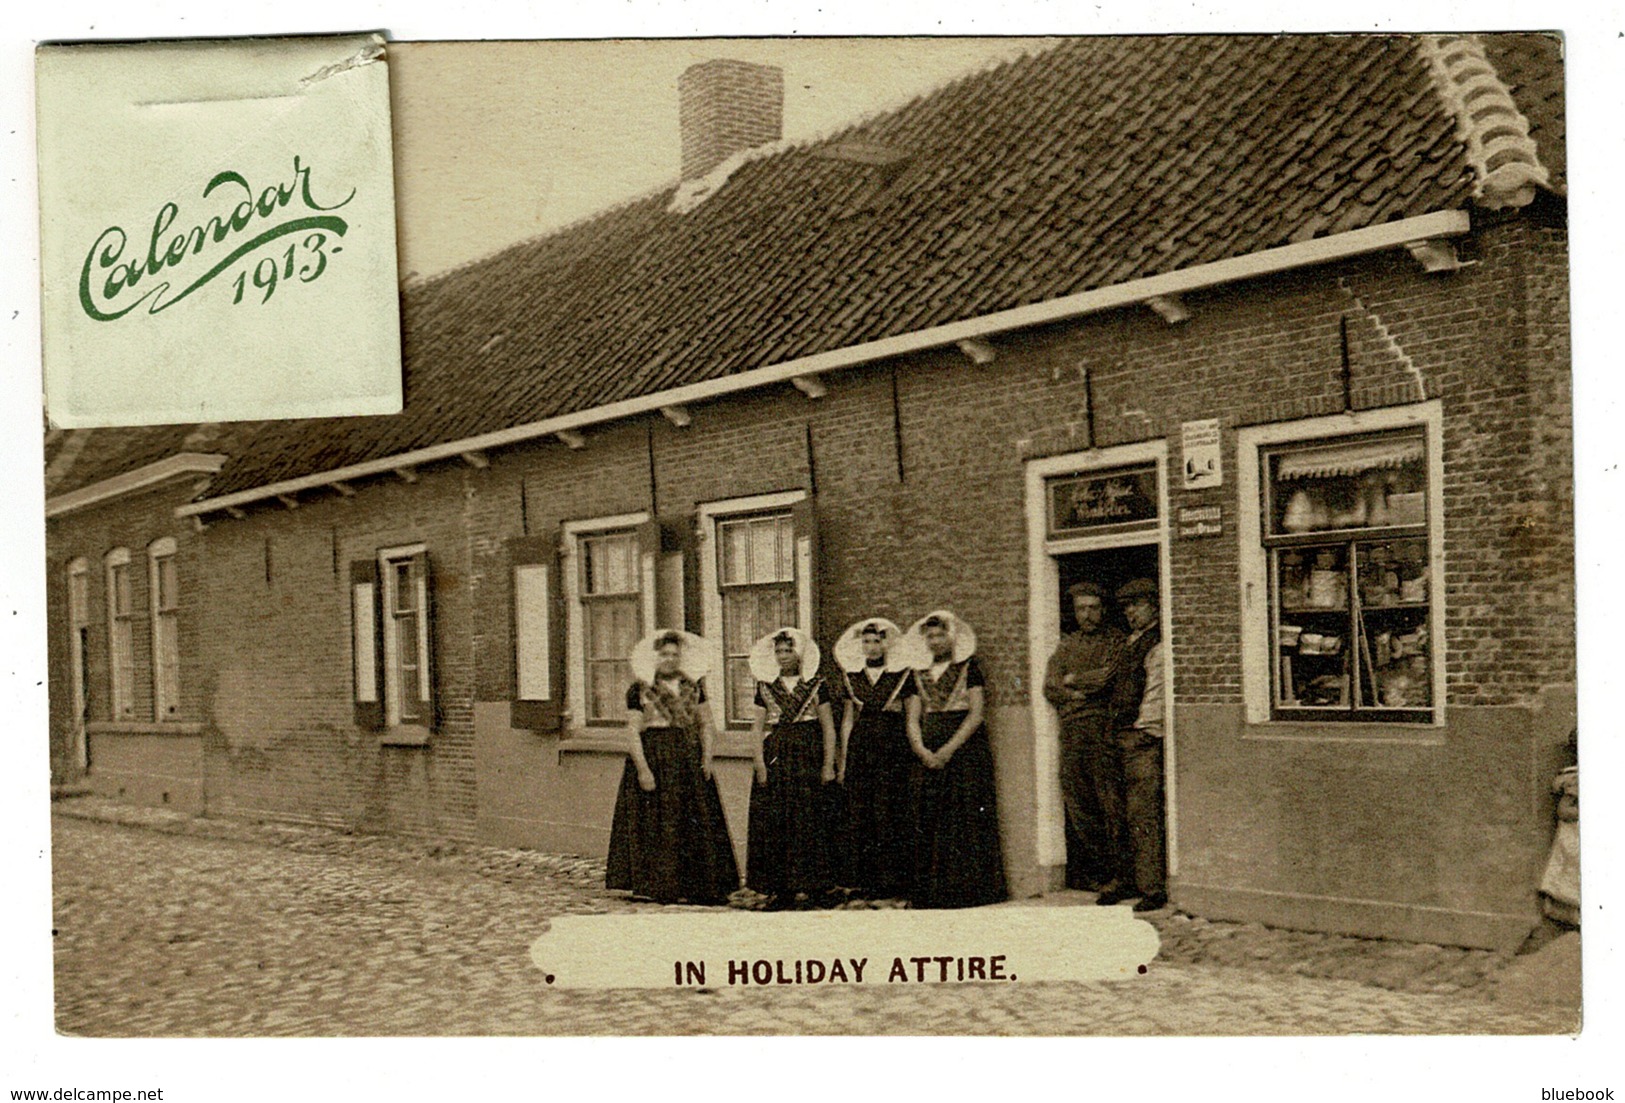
1137 588
1086 589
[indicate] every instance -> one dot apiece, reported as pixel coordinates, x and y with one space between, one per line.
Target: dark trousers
1143 859
1088 771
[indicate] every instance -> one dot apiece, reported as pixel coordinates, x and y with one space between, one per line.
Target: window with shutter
166 657
405 610
609 583
757 571
611 621
120 635
78 647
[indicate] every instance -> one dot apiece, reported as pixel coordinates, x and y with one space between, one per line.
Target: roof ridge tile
1489 122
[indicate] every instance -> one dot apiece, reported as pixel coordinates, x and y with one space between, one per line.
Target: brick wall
133 522
279 669
534 489
1545 533
266 657
951 531
726 106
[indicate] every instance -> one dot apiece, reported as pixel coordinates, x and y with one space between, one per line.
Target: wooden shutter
650 538
804 521
537 633
366 645
683 531
651 547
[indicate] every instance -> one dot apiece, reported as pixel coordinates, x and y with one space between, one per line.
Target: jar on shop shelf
1328 585
1373 574
1414 590
1294 580
1299 515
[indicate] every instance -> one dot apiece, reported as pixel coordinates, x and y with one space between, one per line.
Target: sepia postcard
1061 536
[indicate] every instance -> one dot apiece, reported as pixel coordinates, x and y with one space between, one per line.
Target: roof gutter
1354 243
128 482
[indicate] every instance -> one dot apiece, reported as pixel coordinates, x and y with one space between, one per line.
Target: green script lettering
278 210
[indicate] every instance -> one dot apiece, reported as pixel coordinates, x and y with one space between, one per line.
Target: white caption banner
1001 945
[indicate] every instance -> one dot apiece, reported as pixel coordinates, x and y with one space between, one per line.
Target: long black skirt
789 846
671 844
957 858
877 829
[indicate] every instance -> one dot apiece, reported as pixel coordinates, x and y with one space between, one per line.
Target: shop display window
1351 592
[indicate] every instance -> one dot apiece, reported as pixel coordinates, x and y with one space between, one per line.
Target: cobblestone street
176 927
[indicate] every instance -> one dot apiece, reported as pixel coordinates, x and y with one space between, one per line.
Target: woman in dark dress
957 858
669 841
787 857
875 760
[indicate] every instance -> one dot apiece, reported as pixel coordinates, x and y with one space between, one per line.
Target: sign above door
1085 503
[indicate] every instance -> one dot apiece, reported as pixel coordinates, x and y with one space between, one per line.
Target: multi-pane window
1350 585
406 639
756 569
612 620
166 660
120 635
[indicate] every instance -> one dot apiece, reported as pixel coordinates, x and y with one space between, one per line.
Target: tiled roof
77 458
1532 67
1089 164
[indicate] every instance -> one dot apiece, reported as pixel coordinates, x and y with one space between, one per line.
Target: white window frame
120 640
392 688
575 636
78 621
163 706
1255 612
711 582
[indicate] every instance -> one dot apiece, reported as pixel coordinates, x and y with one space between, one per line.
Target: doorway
1086 860
1100 515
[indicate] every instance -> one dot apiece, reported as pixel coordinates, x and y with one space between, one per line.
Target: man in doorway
1136 693
1077 683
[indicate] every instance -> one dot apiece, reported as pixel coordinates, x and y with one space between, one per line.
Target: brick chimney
724 107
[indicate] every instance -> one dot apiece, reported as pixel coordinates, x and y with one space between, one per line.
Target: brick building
1281 322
